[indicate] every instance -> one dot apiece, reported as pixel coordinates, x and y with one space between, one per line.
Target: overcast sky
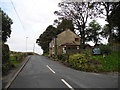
35 16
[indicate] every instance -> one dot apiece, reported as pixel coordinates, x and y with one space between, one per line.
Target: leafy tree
115 20
105 31
79 13
51 33
6 31
65 24
106 9
45 38
6 26
93 32
105 49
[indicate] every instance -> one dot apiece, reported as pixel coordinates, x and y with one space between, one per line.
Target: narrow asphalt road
41 72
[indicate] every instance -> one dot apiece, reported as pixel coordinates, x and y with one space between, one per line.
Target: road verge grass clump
14 62
11 59
17 58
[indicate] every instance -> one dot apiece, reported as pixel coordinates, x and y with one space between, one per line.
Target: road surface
41 72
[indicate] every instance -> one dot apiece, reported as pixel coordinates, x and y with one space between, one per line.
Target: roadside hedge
5 58
84 62
105 49
63 57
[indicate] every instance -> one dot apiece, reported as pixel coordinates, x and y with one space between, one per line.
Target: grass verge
110 63
14 62
89 63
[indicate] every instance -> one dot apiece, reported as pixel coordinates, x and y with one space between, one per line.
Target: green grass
89 63
110 63
46 54
13 61
12 57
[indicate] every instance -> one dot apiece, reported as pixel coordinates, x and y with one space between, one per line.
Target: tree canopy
65 24
51 32
108 10
45 38
78 12
6 26
75 16
93 32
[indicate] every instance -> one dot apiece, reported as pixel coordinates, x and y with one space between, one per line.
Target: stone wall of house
59 49
65 37
51 47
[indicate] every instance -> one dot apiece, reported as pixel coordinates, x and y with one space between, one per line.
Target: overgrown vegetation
76 15
45 54
105 49
91 63
12 60
110 63
51 32
5 58
63 57
16 59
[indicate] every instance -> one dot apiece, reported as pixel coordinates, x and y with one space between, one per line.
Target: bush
82 62
5 58
20 56
46 54
63 57
105 49
87 54
30 53
5 53
77 61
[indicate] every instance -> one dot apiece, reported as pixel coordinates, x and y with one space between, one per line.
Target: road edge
16 74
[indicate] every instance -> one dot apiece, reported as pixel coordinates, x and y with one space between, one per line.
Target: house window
64 48
77 39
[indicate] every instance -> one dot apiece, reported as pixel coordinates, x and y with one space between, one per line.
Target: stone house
66 42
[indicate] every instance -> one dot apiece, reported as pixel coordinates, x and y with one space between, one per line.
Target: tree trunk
110 31
82 40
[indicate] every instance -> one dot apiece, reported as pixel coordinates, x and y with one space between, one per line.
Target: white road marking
50 69
69 86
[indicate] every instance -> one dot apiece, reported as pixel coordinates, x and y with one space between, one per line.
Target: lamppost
26 44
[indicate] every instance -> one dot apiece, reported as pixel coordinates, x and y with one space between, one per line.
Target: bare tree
79 13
